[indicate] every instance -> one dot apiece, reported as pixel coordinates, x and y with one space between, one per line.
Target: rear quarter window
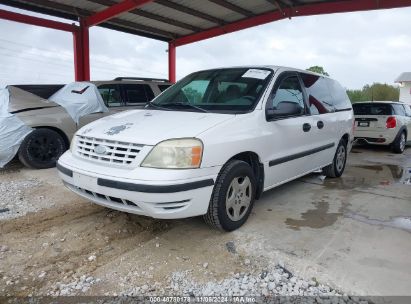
372 109
339 95
319 97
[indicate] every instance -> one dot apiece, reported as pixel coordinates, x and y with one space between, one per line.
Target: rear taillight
391 122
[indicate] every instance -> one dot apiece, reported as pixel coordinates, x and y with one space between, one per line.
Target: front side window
289 92
137 94
235 90
110 94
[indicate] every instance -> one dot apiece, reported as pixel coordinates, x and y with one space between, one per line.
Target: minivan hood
21 100
150 127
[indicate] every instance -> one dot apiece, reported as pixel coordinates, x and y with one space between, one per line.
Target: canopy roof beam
233 7
114 10
321 8
11 16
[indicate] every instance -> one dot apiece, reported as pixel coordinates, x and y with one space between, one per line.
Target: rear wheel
41 149
398 145
233 196
337 167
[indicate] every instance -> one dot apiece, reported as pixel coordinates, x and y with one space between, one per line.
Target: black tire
337 167
219 214
398 146
41 149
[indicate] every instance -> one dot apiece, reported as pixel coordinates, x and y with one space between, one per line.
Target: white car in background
385 123
212 143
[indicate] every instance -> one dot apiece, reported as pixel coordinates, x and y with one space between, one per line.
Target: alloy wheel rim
238 198
340 161
44 149
402 142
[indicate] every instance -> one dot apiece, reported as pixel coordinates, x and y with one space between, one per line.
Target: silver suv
383 123
54 127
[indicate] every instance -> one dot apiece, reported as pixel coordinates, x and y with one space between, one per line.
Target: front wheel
41 149
233 197
337 167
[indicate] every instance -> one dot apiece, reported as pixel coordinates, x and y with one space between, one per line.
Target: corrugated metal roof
167 19
406 76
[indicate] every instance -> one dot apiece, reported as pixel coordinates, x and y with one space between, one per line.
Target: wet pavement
354 230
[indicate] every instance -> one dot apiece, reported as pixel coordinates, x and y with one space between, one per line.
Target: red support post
21 18
115 10
78 55
81 53
171 62
86 49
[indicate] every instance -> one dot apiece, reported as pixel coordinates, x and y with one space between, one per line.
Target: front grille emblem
100 149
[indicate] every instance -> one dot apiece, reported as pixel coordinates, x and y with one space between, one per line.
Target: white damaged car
212 143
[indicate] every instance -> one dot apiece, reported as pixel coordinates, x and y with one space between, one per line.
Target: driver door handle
306 127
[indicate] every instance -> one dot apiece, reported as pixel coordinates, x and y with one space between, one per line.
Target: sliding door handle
306 127
320 124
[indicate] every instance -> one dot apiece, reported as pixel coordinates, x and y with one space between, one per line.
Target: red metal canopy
178 22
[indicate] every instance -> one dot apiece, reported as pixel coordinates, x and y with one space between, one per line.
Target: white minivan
212 143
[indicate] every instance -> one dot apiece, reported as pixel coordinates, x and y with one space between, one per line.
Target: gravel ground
275 281
14 201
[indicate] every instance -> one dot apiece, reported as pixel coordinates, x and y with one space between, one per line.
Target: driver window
289 91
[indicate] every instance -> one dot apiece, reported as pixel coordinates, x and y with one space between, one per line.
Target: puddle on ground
317 218
320 217
358 176
399 222
365 176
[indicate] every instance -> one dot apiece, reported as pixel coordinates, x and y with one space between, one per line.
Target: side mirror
284 109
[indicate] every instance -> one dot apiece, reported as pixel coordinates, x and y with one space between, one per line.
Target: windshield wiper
184 104
150 104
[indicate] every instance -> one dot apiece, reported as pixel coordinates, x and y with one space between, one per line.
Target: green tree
318 69
375 92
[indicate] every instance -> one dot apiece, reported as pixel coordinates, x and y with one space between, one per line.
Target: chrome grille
116 152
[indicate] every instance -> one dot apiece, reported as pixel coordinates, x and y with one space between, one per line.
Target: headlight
183 153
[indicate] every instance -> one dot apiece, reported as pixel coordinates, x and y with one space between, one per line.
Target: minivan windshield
234 90
372 109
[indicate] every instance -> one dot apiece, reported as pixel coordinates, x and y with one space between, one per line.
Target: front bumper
162 199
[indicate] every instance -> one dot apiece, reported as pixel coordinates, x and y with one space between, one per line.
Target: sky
354 48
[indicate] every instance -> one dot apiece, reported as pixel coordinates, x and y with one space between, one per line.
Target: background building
405 87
